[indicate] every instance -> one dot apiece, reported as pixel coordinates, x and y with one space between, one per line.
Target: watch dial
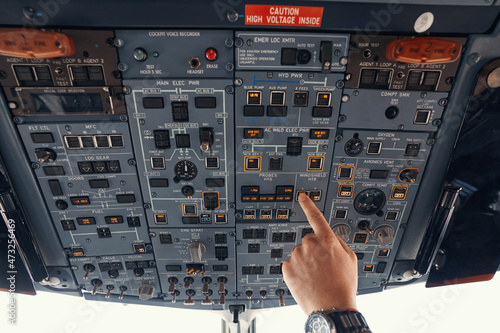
318 324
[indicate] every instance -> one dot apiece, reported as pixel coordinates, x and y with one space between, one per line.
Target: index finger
315 217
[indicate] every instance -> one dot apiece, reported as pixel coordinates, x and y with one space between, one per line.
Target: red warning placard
283 15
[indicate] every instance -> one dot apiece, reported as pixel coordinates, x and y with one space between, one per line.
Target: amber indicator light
423 50
30 43
253 133
319 134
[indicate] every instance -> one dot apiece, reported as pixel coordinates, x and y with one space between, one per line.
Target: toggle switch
123 289
188 281
173 281
175 294
207 300
263 294
280 293
190 300
89 268
96 283
109 288
206 281
249 294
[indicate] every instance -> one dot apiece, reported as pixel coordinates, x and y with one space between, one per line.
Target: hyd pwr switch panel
170 161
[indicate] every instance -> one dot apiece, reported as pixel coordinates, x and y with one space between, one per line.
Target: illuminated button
113 219
399 192
82 200
253 133
323 99
30 43
250 190
139 248
315 163
425 50
254 97
360 238
252 163
319 134
368 268
284 190
345 191
77 251
85 220
73 142
211 54
384 253
133 221
160 219
340 214
412 149
374 148
102 141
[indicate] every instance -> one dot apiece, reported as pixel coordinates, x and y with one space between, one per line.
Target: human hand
322 272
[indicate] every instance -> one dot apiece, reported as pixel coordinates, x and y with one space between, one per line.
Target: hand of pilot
322 272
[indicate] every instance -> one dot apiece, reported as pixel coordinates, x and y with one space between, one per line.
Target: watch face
317 323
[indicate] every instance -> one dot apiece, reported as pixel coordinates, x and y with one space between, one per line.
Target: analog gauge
369 201
186 170
353 147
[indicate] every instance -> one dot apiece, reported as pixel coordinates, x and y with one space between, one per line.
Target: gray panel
175 49
103 201
169 200
130 278
276 130
263 50
176 253
366 108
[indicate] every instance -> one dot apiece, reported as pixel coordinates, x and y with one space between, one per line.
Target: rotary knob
342 231
384 235
196 250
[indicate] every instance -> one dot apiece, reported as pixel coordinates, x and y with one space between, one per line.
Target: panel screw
238 42
35 166
122 182
152 234
116 74
238 82
127 90
142 121
19 120
131 162
450 80
403 226
153 194
473 59
325 147
348 76
122 117
423 95
229 66
59 71
232 16
70 184
149 247
345 98
443 102
410 162
343 160
355 93
229 42
67 128
249 42
231 205
147 206
232 234
339 84
338 138
220 121
238 243
122 67
436 122
401 127
430 142
237 215
342 118
3 75
229 89
75 268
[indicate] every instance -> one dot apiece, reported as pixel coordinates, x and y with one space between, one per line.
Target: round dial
317 323
186 170
369 201
353 147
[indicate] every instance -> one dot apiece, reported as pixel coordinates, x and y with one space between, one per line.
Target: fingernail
302 197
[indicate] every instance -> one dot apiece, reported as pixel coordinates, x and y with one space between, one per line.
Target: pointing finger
315 217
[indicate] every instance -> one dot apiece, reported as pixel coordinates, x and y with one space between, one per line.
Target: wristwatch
333 321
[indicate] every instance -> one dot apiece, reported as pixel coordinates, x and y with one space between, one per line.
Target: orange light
30 43
423 50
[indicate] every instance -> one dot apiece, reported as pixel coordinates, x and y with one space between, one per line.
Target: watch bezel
320 314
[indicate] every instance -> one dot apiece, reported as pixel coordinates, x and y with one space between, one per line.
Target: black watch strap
349 322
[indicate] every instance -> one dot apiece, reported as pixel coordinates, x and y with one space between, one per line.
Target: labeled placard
283 15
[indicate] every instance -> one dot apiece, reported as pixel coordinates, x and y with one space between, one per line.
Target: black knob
139 272
61 204
187 190
391 112
45 155
113 273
